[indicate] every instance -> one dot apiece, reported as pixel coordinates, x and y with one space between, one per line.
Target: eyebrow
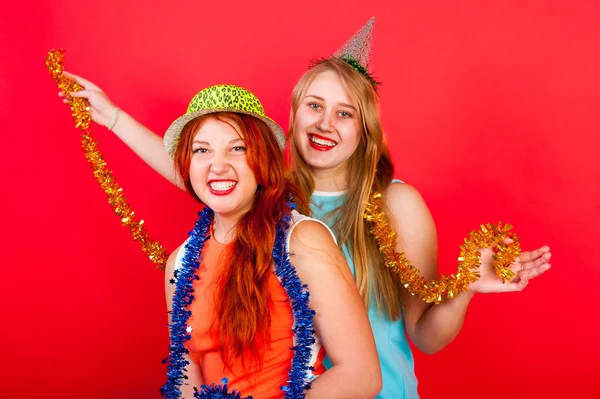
322 99
207 143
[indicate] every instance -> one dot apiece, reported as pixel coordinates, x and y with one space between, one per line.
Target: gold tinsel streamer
446 287
116 199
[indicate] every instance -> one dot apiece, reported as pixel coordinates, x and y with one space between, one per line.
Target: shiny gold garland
116 199
435 291
446 287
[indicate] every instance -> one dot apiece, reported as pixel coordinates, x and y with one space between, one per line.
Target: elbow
434 346
431 343
373 381
431 349
360 381
377 384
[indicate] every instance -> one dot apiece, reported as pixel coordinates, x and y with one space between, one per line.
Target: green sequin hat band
221 98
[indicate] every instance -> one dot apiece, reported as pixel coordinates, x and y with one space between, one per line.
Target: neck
224 228
333 179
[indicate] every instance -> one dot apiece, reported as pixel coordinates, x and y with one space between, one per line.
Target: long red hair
243 301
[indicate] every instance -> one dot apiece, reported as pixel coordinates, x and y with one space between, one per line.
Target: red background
491 112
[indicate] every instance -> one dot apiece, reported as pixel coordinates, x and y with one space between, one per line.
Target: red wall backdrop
491 111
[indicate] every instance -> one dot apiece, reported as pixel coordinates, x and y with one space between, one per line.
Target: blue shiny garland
182 298
184 295
303 315
214 391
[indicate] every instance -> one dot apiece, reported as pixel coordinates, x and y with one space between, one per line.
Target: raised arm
341 319
433 327
145 143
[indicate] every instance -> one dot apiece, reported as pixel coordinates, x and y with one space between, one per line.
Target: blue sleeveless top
395 355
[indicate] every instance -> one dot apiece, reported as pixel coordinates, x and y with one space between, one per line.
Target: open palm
528 266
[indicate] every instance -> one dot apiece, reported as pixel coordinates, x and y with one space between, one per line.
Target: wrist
114 117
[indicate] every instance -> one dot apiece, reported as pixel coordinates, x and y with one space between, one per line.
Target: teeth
222 185
327 143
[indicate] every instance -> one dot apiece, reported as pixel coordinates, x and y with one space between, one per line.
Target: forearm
440 324
147 145
340 382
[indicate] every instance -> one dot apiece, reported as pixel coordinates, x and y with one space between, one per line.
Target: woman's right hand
143 141
102 110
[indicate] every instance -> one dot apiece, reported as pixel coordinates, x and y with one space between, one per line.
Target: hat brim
173 134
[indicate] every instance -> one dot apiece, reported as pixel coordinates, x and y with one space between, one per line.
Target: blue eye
345 114
314 105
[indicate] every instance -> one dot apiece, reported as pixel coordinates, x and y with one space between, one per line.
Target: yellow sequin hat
221 98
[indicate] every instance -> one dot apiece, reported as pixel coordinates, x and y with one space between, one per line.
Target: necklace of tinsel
184 295
446 287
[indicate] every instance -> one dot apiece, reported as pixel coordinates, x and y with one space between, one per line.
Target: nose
219 164
325 123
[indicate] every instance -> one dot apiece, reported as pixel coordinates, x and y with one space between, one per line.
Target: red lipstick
221 192
320 147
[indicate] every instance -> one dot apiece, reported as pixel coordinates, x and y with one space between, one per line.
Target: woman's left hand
528 266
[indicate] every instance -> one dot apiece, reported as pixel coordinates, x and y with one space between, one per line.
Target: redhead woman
258 292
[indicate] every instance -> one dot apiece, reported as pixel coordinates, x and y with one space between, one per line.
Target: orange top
277 357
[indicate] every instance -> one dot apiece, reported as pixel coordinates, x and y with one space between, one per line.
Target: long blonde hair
370 169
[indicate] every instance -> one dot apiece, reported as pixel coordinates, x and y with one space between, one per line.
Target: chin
322 163
222 209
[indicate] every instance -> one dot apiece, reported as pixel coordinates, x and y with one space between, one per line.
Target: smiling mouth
320 143
221 187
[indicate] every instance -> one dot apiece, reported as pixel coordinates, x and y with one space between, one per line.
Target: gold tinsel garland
116 199
446 287
430 291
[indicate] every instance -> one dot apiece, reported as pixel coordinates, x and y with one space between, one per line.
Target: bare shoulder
401 198
314 254
310 234
410 217
170 266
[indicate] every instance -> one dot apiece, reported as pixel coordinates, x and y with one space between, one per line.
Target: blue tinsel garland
184 295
